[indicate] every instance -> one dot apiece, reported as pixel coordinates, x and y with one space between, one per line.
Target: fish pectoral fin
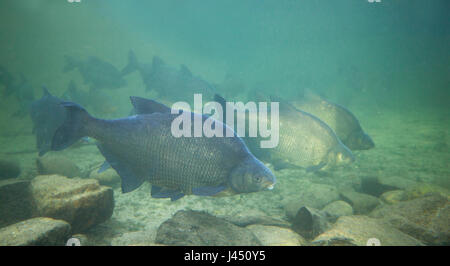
316 167
281 164
130 181
160 192
208 190
105 166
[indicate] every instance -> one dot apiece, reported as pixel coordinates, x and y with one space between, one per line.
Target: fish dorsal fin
219 99
157 62
184 70
259 97
285 107
72 86
94 59
147 106
310 95
46 92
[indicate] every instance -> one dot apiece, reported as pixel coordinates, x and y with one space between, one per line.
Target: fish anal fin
161 192
208 190
316 167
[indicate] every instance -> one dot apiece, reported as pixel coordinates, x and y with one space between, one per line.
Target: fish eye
257 179
340 156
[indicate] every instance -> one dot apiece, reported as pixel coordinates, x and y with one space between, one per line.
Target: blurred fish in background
340 119
167 81
7 80
96 73
47 115
95 100
24 92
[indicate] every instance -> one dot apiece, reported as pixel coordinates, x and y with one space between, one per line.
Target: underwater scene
224 123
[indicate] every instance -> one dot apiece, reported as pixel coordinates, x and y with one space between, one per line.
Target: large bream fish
142 148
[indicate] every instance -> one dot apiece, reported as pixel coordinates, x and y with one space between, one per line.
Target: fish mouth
269 185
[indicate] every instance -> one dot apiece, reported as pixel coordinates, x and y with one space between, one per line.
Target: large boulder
393 196
40 231
315 196
361 203
195 228
337 209
80 202
9 168
426 218
362 230
15 201
57 165
276 236
422 189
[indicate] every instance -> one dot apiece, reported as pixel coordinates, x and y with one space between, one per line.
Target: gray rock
15 201
138 238
39 231
277 236
9 169
250 217
106 178
309 222
57 165
337 209
393 196
316 196
360 202
81 202
194 228
378 185
426 218
357 230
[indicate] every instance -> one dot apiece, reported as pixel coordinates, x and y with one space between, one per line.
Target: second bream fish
142 148
304 140
339 118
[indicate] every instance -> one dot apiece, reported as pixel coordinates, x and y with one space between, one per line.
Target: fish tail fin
157 62
132 65
45 90
73 128
70 64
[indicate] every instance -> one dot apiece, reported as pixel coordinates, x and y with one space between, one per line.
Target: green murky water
388 62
